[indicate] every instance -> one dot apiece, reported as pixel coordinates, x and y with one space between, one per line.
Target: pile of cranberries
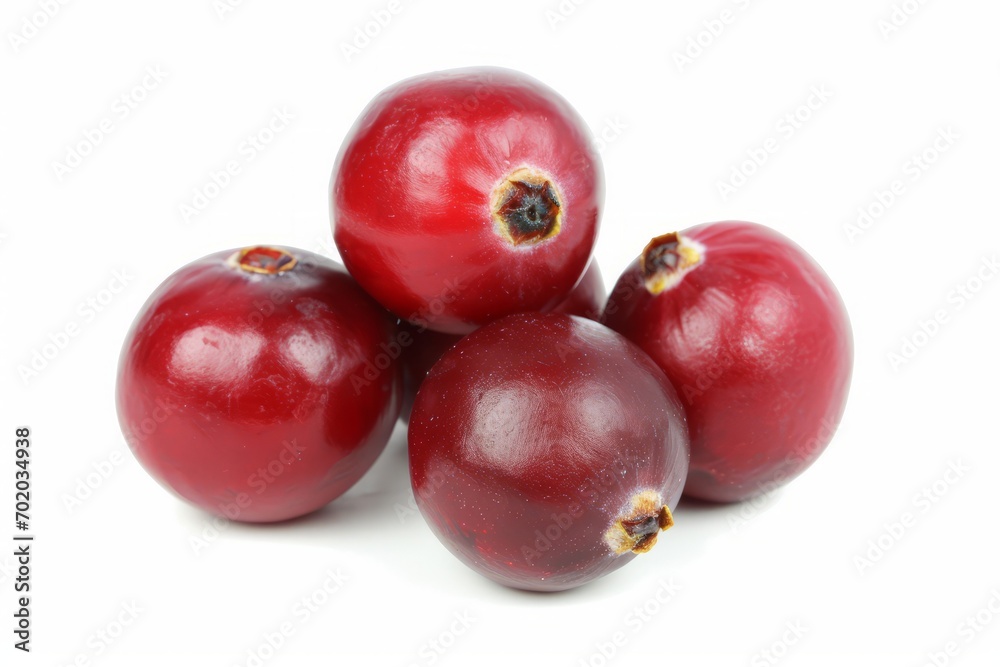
552 429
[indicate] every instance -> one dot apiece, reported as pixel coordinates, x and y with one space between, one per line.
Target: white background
822 555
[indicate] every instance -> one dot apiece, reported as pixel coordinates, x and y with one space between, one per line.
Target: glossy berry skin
588 297
462 196
424 347
757 341
546 450
256 386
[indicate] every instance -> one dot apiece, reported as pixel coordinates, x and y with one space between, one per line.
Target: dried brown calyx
263 259
527 207
638 527
666 259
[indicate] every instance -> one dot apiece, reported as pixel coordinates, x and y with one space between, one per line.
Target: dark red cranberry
588 297
423 347
546 451
462 196
255 384
756 339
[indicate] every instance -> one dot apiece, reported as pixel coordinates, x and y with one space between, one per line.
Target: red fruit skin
529 438
588 297
424 347
250 395
412 188
758 343
424 351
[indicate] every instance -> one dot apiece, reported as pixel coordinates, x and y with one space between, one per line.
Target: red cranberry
462 196
756 339
546 450
255 384
588 297
424 347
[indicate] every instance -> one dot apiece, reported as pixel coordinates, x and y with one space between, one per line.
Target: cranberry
546 450
755 337
424 347
588 297
462 196
254 383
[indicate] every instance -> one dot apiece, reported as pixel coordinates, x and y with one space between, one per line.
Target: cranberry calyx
264 259
638 528
666 259
526 207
